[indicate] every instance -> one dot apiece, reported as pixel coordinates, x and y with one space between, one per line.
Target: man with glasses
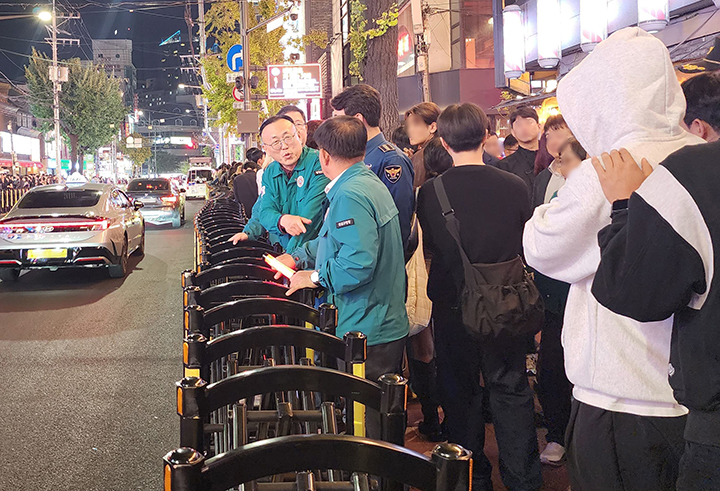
298 117
293 184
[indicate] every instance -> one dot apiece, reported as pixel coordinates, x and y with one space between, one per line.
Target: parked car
163 201
71 225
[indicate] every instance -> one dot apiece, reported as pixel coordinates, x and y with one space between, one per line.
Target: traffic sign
237 94
230 77
294 81
238 105
234 58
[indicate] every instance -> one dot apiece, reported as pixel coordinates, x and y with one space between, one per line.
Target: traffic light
254 82
239 82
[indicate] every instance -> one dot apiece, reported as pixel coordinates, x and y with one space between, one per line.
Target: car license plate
47 254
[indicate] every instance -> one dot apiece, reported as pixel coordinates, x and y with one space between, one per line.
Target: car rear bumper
87 256
159 216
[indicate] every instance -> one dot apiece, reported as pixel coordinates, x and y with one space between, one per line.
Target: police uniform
359 258
301 194
395 170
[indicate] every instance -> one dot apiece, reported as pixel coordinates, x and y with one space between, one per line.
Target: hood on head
624 91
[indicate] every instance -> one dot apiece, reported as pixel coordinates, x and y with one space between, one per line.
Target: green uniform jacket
302 194
359 257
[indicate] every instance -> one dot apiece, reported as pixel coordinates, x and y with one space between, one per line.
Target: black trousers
612 451
461 361
381 359
699 468
554 388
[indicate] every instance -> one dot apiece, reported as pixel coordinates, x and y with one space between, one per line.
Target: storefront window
477 27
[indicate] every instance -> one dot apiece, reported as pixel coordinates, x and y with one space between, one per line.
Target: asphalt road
88 367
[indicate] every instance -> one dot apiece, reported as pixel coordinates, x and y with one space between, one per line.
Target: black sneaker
432 432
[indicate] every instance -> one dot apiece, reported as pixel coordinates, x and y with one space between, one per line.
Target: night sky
150 22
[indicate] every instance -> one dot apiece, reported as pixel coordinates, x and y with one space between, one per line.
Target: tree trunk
381 66
74 154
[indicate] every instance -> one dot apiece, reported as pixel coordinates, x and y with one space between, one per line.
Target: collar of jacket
276 170
375 142
351 171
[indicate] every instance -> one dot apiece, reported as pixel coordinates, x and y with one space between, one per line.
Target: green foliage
167 162
91 105
138 156
360 34
265 49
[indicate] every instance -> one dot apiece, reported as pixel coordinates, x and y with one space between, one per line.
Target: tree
166 162
265 48
91 105
138 156
374 53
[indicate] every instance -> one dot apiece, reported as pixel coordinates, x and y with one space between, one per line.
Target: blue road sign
234 58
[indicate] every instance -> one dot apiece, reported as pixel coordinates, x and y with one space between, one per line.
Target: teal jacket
301 194
359 257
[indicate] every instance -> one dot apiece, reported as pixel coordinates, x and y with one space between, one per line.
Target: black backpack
496 300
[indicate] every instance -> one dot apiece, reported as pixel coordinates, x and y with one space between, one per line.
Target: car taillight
169 200
47 227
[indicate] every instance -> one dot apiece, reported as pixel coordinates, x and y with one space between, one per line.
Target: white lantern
549 34
513 41
653 15
593 23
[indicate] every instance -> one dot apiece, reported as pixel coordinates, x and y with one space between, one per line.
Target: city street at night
89 364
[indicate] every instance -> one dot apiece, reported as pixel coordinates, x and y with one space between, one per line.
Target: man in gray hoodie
626 429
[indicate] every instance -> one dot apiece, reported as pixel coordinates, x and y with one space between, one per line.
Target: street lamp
45 15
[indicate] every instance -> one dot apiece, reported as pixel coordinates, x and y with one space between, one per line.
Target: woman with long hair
421 126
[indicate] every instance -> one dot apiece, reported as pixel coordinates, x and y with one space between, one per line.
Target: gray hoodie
624 94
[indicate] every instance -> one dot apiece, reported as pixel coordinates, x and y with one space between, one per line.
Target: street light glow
45 15
181 86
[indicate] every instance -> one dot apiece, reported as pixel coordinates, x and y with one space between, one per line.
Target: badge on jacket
300 181
345 223
393 173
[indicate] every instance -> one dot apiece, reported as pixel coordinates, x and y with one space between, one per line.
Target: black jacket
246 191
522 164
658 260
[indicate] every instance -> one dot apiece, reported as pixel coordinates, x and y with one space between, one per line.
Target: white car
71 225
197 180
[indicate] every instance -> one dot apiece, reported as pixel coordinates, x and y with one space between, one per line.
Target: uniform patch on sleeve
318 172
393 173
345 223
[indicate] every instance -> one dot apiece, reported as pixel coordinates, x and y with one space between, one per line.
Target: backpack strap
453 226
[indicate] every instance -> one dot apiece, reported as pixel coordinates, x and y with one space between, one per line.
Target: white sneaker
554 454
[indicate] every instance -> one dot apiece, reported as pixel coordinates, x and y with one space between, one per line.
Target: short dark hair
343 137
510 141
274 119
463 126
555 122
312 126
523 112
702 93
254 154
576 147
359 99
427 111
435 158
400 138
250 165
291 109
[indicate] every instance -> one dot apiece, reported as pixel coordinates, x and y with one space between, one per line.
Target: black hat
710 63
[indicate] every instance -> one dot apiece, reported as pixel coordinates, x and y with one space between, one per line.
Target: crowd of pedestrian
9 181
611 205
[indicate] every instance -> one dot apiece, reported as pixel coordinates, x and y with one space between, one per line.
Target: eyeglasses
300 124
277 145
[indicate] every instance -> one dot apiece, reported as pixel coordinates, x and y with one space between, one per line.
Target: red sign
237 94
294 81
404 43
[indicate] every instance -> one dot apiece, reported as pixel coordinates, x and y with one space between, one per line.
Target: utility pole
56 89
58 76
420 10
246 62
